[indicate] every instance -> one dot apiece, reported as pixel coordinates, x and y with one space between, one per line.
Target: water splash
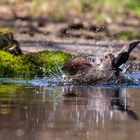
131 80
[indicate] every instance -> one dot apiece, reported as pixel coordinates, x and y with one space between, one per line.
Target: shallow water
41 109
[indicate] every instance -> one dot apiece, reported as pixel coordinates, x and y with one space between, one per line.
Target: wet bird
81 69
123 56
75 65
79 64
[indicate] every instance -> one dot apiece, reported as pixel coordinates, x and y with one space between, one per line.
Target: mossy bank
47 63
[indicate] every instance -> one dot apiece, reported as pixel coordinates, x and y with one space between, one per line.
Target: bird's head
109 57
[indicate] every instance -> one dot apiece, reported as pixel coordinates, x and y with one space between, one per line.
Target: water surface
38 110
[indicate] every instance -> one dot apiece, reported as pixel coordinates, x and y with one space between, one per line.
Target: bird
75 65
123 56
81 70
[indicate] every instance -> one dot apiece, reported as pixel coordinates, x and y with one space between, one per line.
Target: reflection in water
40 113
105 104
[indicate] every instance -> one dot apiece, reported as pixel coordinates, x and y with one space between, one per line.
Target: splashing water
58 77
131 80
99 75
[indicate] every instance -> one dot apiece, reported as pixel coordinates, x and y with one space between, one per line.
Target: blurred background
74 20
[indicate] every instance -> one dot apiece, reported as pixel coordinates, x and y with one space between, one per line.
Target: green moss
12 65
29 65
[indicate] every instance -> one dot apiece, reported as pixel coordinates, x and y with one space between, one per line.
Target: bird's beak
132 45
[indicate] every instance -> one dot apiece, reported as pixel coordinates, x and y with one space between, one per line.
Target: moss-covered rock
12 65
45 63
15 64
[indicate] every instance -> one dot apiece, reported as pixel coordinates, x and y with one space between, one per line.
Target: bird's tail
132 45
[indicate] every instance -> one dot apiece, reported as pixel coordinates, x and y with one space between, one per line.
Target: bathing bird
75 65
80 68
